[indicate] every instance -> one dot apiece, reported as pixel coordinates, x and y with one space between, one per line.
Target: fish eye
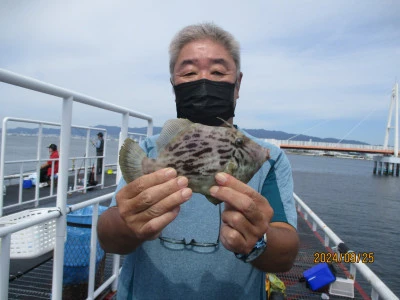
239 142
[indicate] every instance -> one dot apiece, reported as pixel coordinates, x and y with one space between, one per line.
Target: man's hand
246 216
152 201
145 207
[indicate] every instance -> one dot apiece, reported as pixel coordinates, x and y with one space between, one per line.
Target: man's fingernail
221 178
186 193
170 173
214 190
182 182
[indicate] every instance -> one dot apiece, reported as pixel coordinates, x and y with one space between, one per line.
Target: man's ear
237 83
239 80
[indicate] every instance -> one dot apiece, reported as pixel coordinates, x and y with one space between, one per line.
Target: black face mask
202 101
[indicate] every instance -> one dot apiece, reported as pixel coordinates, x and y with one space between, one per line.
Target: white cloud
303 62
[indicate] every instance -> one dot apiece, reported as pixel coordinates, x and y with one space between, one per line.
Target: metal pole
61 224
38 164
149 127
386 140
103 165
21 182
85 179
396 120
5 265
2 157
93 244
116 263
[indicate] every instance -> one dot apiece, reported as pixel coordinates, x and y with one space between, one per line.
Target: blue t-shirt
163 270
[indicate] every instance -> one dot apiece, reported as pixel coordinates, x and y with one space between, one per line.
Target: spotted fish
197 152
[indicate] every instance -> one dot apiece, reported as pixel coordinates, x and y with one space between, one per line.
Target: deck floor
310 243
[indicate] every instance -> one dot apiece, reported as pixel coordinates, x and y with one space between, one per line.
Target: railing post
21 182
116 262
149 127
93 251
61 224
103 165
38 164
85 176
2 158
5 265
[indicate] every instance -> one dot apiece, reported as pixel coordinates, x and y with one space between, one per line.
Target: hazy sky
323 68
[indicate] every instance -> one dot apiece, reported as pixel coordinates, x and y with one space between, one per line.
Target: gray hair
199 32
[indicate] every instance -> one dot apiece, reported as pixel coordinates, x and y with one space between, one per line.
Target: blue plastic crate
319 276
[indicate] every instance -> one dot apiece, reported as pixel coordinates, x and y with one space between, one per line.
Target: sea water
361 208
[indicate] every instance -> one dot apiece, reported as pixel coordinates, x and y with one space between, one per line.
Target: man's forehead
200 51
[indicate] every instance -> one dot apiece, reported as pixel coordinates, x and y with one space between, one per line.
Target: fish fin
226 123
230 167
130 160
213 200
170 129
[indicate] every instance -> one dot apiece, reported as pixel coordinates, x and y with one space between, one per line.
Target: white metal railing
37 162
379 289
54 213
68 97
326 145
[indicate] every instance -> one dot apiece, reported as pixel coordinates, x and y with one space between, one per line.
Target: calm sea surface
361 208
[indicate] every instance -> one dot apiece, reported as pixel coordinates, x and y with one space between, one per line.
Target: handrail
68 97
50 89
53 213
38 159
379 289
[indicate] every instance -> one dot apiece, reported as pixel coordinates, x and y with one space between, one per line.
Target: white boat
43 216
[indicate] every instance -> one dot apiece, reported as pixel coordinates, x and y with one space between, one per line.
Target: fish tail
131 157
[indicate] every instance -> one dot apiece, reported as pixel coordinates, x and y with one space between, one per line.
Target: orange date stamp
349 257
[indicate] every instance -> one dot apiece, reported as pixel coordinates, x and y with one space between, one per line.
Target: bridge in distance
302 145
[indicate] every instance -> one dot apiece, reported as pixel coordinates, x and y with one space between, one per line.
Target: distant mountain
280 135
114 131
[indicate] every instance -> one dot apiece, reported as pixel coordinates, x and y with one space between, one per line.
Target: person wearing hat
99 152
46 168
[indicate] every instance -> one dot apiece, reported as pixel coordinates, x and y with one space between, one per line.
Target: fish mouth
261 155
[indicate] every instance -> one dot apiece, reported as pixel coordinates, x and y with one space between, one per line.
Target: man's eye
189 74
217 73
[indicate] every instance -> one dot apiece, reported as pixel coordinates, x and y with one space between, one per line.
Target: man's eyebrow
187 62
214 61
220 61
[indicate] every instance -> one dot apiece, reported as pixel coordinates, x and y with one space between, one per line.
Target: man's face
206 59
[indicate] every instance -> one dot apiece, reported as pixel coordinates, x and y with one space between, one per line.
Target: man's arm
114 235
144 207
282 248
246 218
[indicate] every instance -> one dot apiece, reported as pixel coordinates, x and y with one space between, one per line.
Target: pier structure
390 164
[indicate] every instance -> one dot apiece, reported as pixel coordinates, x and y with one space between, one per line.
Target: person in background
46 169
99 152
177 244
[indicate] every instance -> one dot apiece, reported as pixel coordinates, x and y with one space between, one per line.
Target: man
46 169
99 152
178 244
